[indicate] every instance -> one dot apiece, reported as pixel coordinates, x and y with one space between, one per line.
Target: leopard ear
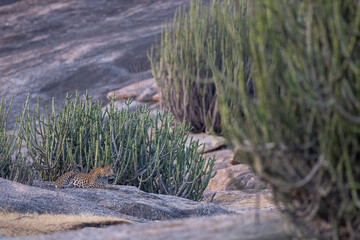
102 165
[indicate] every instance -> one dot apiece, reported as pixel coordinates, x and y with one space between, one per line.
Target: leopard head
107 171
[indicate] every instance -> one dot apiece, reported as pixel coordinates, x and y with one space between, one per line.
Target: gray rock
222 158
262 227
125 202
211 142
242 201
235 177
51 47
147 94
142 91
3 237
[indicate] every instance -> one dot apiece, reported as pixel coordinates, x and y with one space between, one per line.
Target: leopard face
106 171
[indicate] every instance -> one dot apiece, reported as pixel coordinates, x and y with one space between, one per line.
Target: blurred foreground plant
300 130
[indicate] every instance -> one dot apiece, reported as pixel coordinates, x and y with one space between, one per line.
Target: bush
13 165
180 66
148 152
301 131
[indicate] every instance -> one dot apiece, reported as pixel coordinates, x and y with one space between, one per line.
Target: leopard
86 180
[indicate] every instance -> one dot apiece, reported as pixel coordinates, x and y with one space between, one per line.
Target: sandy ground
20 225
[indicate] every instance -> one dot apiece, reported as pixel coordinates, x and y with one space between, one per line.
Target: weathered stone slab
237 177
126 202
242 201
155 97
142 91
211 142
222 158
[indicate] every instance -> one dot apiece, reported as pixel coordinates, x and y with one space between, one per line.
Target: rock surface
242 201
237 177
142 91
211 142
51 47
126 202
222 158
267 227
256 217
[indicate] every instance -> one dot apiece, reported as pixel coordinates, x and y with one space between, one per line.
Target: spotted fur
85 180
65 180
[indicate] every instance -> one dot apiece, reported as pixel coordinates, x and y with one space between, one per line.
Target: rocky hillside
49 48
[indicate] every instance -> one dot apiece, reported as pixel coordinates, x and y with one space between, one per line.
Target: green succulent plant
147 152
